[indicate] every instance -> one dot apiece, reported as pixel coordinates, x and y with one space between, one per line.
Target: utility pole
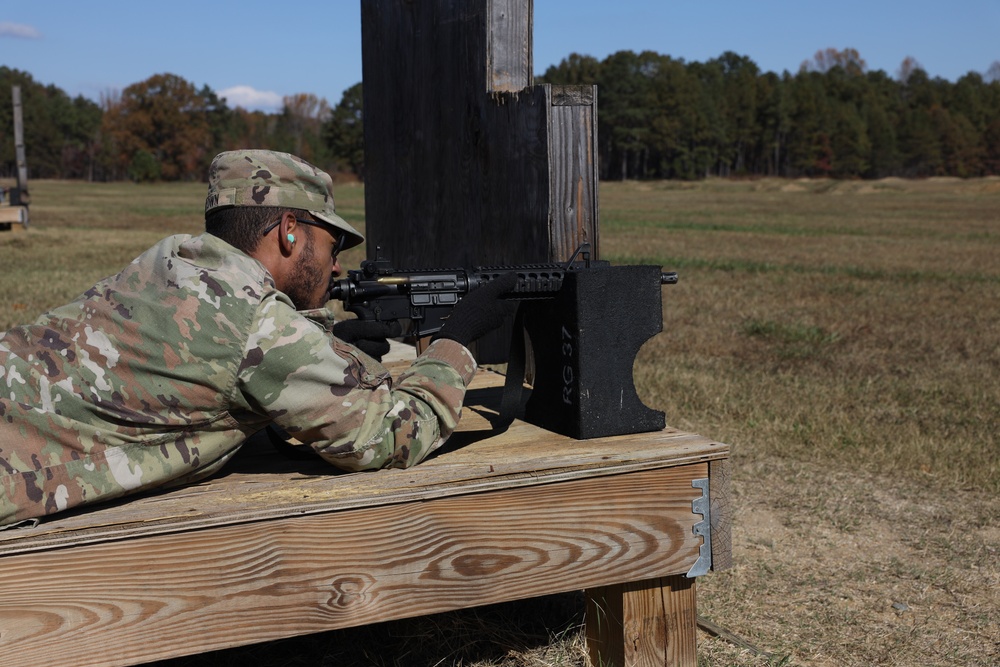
17 212
22 198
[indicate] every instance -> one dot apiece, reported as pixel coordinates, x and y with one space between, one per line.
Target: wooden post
643 624
20 196
466 161
722 515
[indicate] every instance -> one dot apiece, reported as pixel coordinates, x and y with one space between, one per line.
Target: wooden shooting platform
13 218
274 547
467 163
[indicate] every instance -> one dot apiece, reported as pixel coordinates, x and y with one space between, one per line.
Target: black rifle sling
513 386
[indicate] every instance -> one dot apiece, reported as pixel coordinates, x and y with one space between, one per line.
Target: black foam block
585 342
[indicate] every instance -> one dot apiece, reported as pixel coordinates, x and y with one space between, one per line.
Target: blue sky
254 52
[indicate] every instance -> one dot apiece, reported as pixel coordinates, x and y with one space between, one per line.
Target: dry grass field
844 337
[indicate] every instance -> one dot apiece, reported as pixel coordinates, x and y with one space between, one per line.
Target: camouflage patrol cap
270 178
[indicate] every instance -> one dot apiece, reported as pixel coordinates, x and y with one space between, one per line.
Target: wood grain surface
135 600
260 484
573 183
648 623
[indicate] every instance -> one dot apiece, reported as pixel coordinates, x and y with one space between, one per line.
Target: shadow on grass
499 634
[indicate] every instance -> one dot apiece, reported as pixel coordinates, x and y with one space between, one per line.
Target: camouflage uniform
157 375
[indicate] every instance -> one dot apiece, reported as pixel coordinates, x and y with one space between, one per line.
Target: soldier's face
309 284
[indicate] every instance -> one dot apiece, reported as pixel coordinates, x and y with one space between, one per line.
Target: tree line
166 128
658 117
661 117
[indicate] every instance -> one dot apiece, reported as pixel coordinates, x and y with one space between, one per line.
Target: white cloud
8 29
251 99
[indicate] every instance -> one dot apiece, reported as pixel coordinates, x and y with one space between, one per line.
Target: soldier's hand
368 336
480 311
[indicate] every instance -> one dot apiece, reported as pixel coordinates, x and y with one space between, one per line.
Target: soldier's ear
286 233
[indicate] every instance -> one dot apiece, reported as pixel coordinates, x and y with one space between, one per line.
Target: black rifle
586 320
425 297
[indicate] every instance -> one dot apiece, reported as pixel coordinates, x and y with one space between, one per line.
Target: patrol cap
269 178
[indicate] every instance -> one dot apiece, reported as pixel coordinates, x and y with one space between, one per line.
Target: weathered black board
467 162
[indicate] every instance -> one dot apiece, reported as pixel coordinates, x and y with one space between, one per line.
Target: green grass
843 337
885 328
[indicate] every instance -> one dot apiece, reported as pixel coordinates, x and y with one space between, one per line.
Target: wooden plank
137 600
574 96
680 610
721 512
265 486
573 198
14 214
456 175
649 623
509 59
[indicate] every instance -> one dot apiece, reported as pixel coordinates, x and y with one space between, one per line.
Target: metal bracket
700 506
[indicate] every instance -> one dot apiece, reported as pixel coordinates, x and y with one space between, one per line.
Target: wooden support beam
573 189
650 623
509 45
721 514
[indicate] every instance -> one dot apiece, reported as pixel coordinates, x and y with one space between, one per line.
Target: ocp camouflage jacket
158 374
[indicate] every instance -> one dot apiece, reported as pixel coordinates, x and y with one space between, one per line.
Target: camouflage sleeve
344 403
